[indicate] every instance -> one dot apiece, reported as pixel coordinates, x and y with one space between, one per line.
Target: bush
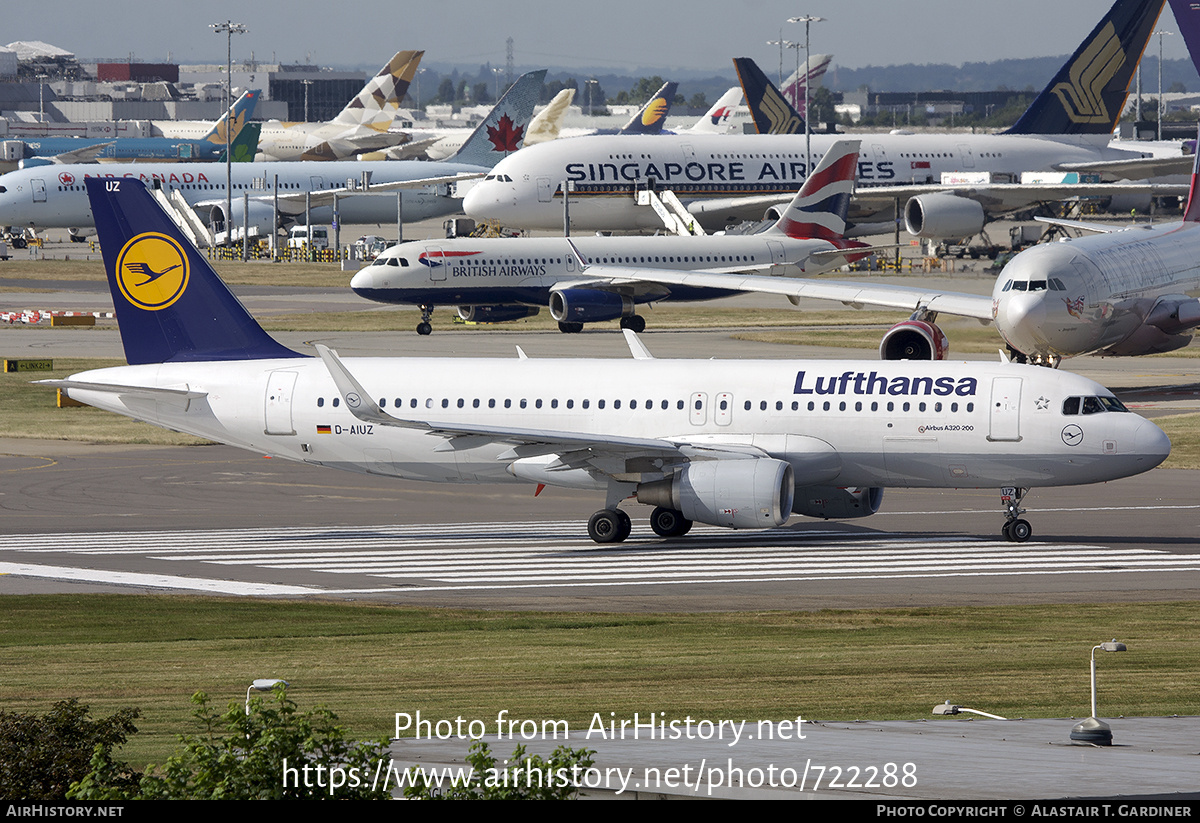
524 777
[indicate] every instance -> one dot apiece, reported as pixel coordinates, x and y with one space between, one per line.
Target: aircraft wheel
569 328
424 328
626 525
634 322
1019 531
605 526
669 523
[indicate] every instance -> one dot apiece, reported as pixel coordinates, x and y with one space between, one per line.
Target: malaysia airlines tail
650 118
819 209
716 119
171 306
503 131
1088 93
771 111
242 110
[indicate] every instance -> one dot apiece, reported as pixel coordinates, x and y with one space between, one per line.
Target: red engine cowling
914 340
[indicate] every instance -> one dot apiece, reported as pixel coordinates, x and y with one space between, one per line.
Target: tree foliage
521 777
273 753
41 756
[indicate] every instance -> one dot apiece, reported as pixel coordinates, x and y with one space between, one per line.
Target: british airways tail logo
1089 74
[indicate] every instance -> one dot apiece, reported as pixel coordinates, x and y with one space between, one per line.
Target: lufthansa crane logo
152 271
1082 98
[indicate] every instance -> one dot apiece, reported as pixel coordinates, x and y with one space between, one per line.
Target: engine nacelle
943 216
588 305
261 220
832 502
496 314
914 340
755 493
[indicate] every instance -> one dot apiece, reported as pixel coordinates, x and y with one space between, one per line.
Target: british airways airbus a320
741 444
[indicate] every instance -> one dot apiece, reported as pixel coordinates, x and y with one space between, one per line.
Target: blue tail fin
1088 93
771 112
503 132
170 304
650 118
243 110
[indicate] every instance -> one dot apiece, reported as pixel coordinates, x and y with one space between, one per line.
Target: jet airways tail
503 131
376 105
243 110
171 306
1088 93
772 113
650 118
819 209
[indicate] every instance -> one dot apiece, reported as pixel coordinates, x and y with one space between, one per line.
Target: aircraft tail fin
547 123
1191 212
819 209
170 304
503 131
245 145
650 118
1088 93
716 119
808 76
243 110
772 113
381 97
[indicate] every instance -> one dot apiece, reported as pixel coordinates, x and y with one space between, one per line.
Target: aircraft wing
1138 168
87 154
574 449
855 295
293 202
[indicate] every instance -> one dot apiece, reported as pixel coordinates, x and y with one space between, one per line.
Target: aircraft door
698 408
778 258
1005 418
280 387
39 190
545 190
968 159
436 260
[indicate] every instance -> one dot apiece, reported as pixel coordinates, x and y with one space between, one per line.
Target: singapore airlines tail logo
152 271
777 112
1081 97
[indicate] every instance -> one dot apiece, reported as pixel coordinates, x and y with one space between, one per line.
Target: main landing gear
424 328
1015 530
613 525
634 322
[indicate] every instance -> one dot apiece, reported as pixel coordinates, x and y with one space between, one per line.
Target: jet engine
261 220
914 340
831 502
755 493
943 216
496 314
1168 327
588 305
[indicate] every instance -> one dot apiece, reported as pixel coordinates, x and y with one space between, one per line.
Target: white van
315 236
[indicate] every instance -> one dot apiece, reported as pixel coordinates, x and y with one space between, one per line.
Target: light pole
1094 731
1161 106
229 28
306 84
807 20
262 685
781 43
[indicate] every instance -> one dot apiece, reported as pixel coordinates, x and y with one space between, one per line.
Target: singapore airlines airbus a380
741 444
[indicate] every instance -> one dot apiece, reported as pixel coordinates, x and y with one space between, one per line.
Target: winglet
636 347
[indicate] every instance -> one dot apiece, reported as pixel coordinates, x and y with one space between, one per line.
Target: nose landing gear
1015 530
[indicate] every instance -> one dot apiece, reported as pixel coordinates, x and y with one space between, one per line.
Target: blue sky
625 36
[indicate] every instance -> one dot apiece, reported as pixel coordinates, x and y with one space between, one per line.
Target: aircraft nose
363 279
1021 320
1152 442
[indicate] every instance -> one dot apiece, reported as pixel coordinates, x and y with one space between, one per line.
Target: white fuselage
524 270
852 423
1097 293
55 197
525 188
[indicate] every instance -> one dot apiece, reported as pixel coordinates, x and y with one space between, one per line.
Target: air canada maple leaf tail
170 304
1088 93
503 131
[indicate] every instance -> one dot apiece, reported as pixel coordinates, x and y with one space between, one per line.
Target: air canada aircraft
730 178
498 279
740 444
1121 292
58 199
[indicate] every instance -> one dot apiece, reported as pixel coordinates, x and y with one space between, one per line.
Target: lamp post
262 685
229 28
1094 731
306 84
807 20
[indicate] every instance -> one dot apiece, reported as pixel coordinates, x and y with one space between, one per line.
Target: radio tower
508 61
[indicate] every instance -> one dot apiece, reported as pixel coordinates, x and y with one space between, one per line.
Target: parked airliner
736 177
1119 292
740 444
34 197
498 279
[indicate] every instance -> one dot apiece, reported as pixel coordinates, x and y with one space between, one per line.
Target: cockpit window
1056 284
1037 285
1092 405
1020 285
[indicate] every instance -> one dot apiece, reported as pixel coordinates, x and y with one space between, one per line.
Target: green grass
367 662
256 273
1184 431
